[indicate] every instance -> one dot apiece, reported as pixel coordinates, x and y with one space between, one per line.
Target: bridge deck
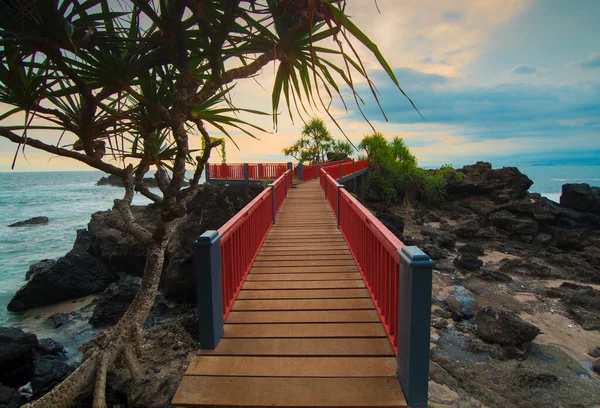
303 331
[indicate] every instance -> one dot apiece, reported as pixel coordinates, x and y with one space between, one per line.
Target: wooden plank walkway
303 331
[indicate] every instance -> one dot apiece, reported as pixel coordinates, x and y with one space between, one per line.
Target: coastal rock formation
504 327
31 221
580 197
10 397
16 356
74 275
116 181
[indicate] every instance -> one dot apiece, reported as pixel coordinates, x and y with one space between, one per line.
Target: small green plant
448 169
231 210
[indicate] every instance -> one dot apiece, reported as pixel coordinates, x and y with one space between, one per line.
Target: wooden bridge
306 300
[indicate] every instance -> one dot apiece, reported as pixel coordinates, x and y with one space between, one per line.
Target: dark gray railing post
414 321
207 173
272 200
289 166
339 195
300 167
246 172
209 284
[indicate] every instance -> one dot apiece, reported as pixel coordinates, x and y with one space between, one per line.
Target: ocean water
69 198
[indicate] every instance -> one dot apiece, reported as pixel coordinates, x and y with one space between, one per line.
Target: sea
68 199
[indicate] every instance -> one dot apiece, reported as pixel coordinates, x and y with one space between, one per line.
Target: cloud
452 16
523 69
591 62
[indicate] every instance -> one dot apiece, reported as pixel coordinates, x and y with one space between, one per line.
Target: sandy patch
496 256
558 330
34 318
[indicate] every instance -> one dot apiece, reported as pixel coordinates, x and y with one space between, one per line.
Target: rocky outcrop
117 181
393 222
583 303
72 276
10 397
581 197
50 369
168 349
31 221
16 356
468 261
504 327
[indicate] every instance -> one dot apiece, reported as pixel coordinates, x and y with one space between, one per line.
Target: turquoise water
69 198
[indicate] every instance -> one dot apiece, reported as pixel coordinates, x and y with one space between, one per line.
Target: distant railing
224 257
246 172
398 279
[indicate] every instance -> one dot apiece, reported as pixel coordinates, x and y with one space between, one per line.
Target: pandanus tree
129 87
315 143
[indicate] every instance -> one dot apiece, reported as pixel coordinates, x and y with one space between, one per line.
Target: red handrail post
414 321
339 187
272 185
209 284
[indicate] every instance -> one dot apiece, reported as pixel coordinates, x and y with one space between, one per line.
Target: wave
575 179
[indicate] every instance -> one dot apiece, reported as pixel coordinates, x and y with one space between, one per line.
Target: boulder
393 222
583 303
71 276
49 371
51 347
542 239
500 184
577 239
595 352
112 304
10 397
16 356
523 266
434 252
580 197
40 266
444 239
31 221
514 223
468 261
504 327
471 249
492 275
465 228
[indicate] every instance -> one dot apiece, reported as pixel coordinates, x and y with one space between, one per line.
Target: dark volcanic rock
595 352
491 275
442 238
504 184
40 266
504 327
596 366
514 223
581 197
10 397
577 239
51 347
49 371
465 228
114 301
116 181
73 275
31 221
434 252
526 267
393 222
468 261
16 356
583 303
471 249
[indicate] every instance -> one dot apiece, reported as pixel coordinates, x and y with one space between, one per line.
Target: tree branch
38 144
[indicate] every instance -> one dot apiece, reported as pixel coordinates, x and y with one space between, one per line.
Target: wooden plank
274 263
288 392
302 304
304 330
302 347
302 276
331 284
302 255
243 366
302 270
303 294
303 316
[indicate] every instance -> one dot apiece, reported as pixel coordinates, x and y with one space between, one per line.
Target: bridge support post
207 173
339 195
272 186
246 172
414 321
209 285
300 167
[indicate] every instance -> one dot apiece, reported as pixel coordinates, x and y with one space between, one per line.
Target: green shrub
435 190
448 169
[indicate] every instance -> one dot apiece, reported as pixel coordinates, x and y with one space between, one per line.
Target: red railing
243 235
272 171
256 171
375 250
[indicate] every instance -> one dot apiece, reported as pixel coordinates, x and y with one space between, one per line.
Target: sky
510 82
